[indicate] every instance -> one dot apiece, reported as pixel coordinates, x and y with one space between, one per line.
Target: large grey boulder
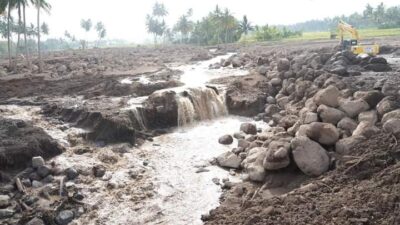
277 156
64 217
37 162
310 117
343 146
372 98
347 124
368 116
310 157
4 201
392 126
353 107
395 114
225 140
253 164
229 160
283 65
387 104
330 115
323 133
248 128
328 96
365 129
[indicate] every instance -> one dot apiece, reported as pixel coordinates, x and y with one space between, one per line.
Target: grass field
364 33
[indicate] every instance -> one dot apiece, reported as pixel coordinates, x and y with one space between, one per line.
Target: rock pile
316 114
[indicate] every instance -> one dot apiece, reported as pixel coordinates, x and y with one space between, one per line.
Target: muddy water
168 181
183 192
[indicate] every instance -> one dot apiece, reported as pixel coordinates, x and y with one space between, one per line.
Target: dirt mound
364 189
20 141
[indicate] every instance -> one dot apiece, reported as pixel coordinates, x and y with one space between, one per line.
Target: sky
125 19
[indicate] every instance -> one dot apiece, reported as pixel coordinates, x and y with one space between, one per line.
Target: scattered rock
99 170
365 129
387 104
370 117
4 201
283 65
35 221
328 96
43 171
226 140
309 156
71 173
392 126
229 160
353 107
330 115
395 114
6 213
277 156
37 162
248 128
323 133
347 124
343 146
64 217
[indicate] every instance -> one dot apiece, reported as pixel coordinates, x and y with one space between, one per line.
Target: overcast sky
125 19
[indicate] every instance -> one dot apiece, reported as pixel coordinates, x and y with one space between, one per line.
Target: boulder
276 81
328 96
64 217
239 135
43 171
236 62
310 157
390 89
35 221
253 164
226 140
263 70
387 104
365 129
37 162
323 133
271 100
343 146
347 124
4 201
272 109
378 67
353 107
392 126
310 117
277 156
288 121
248 128
395 114
373 98
329 114
229 160
368 116
283 65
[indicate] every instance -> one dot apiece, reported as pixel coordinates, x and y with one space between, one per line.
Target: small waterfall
138 114
197 104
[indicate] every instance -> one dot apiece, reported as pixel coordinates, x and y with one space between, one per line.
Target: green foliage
86 24
184 26
45 28
101 30
371 17
270 33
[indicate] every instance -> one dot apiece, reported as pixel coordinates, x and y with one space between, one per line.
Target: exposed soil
363 189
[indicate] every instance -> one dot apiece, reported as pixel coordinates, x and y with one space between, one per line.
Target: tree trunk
9 36
19 31
25 40
38 34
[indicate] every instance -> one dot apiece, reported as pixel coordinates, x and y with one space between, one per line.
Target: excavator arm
345 27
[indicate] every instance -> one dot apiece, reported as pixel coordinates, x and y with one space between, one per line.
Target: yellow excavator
354 44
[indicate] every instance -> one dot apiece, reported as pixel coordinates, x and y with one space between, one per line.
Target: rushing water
178 171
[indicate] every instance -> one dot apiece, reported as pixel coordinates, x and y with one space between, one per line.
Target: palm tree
245 25
9 5
40 4
24 4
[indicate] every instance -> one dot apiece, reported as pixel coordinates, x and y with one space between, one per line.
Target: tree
101 30
24 4
40 4
155 23
87 26
45 29
9 5
184 25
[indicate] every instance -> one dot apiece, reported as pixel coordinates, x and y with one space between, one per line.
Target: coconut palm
40 4
24 3
245 25
8 5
